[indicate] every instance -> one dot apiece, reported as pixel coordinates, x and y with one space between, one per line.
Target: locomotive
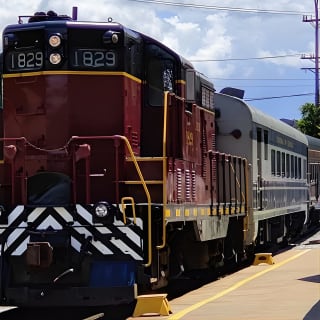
122 168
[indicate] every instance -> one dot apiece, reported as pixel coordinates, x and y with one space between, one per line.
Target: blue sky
234 43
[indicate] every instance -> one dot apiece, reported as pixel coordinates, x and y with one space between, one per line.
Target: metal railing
16 149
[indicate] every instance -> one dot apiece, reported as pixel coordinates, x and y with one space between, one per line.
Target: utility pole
314 57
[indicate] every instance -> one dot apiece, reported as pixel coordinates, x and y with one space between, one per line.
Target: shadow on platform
315 278
314 312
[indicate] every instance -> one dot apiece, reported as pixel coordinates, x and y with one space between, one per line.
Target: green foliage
310 121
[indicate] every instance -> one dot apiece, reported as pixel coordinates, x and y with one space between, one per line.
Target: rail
95 316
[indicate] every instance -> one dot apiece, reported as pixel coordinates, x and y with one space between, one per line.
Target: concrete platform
289 289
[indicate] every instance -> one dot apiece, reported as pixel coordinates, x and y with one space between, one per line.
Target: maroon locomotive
110 181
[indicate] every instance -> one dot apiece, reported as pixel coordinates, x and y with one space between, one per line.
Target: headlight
55 58
54 40
101 210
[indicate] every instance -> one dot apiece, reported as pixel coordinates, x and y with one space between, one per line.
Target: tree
310 121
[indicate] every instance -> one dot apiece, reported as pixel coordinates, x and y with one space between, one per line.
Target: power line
245 59
260 79
279 97
245 10
278 86
207 7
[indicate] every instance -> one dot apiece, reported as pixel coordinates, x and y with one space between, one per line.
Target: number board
26 60
94 59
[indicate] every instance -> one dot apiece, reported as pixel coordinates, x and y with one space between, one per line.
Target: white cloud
207 34
180 26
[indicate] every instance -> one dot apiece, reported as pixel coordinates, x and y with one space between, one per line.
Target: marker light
9 39
114 38
54 40
55 58
110 37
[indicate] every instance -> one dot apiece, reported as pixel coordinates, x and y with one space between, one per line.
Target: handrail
164 170
243 166
123 205
125 139
237 180
148 264
12 155
75 138
246 177
247 205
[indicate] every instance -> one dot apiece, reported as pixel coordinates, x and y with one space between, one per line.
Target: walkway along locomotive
111 182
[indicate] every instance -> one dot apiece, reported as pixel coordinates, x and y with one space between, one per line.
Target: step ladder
152 304
263 258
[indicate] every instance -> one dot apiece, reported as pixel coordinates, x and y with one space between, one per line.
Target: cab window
160 74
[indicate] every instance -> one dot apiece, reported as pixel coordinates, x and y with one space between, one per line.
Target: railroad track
177 287
51 314
189 282
94 317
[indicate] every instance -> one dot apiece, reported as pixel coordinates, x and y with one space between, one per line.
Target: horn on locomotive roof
238 93
50 15
74 13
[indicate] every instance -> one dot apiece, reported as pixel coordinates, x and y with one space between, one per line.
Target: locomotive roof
67 22
39 20
183 61
263 119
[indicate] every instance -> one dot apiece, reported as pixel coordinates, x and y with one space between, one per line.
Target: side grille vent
179 185
188 185
193 177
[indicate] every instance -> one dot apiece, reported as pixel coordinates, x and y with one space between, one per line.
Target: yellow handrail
148 264
237 180
247 207
164 169
247 182
123 206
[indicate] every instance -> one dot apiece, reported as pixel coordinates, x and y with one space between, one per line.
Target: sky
253 45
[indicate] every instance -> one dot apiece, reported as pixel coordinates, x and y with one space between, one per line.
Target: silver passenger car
278 156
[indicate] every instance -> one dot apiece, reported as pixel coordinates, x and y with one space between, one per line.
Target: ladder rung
140 159
140 182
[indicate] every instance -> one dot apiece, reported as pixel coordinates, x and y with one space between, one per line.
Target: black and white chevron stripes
113 239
